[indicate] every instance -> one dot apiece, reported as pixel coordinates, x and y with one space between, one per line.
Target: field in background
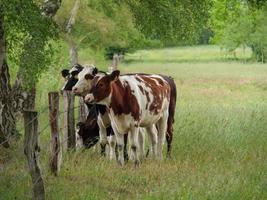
220 137
202 53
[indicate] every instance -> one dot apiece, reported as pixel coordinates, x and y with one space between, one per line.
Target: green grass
219 147
189 54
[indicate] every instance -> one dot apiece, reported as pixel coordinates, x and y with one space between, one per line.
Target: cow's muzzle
89 98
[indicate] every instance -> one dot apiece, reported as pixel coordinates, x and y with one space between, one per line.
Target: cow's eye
74 73
100 85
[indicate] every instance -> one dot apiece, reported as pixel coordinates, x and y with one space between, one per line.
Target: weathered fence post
115 62
31 150
69 128
83 111
56 154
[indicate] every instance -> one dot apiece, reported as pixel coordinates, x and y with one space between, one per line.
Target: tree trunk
7 116
13 99
73 53
32 151
50 7
73 16
73 48
29 101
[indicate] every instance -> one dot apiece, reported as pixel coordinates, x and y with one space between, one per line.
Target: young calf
133 101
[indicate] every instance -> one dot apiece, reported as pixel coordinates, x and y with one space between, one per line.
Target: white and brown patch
83 86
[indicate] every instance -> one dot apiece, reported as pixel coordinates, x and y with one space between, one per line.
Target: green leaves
28 33
241 24
172 21
101 24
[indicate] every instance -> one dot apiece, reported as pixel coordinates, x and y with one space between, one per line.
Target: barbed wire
39 113
45 175
11 137
47 144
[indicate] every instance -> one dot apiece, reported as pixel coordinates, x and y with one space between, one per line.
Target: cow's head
71 76
85 77
101 87
88 132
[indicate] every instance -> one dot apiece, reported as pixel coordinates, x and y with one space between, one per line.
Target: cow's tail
172 105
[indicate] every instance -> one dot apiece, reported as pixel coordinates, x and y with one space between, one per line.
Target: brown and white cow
133 101
83 86
86 131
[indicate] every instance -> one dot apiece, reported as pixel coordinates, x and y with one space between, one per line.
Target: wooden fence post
69 128
31 150
56 154
83 111
117 58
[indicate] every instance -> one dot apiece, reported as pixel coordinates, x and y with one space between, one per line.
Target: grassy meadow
219 146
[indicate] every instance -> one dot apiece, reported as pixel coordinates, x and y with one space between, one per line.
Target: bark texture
50 7
72 44
7 103
31 151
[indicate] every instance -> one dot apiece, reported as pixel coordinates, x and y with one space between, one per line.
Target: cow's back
152 93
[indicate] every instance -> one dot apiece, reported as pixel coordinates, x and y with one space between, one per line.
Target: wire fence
45 170
20 130
38 116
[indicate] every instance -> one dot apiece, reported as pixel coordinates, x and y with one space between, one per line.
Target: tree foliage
100 24
28 34
241 24
172 21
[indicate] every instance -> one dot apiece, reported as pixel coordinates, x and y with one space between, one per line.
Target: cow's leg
102 136
120 145
162 128
131 157
125 152
152 133
169 143
141 143
79 140
112 145
134 144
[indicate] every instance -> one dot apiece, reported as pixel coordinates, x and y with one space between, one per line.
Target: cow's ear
80 125
65 73
88 76
115 75
95 71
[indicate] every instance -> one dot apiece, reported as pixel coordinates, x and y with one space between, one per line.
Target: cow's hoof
121 163
137 163
169 156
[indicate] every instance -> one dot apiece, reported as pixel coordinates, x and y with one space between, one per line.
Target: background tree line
36 34
241 23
